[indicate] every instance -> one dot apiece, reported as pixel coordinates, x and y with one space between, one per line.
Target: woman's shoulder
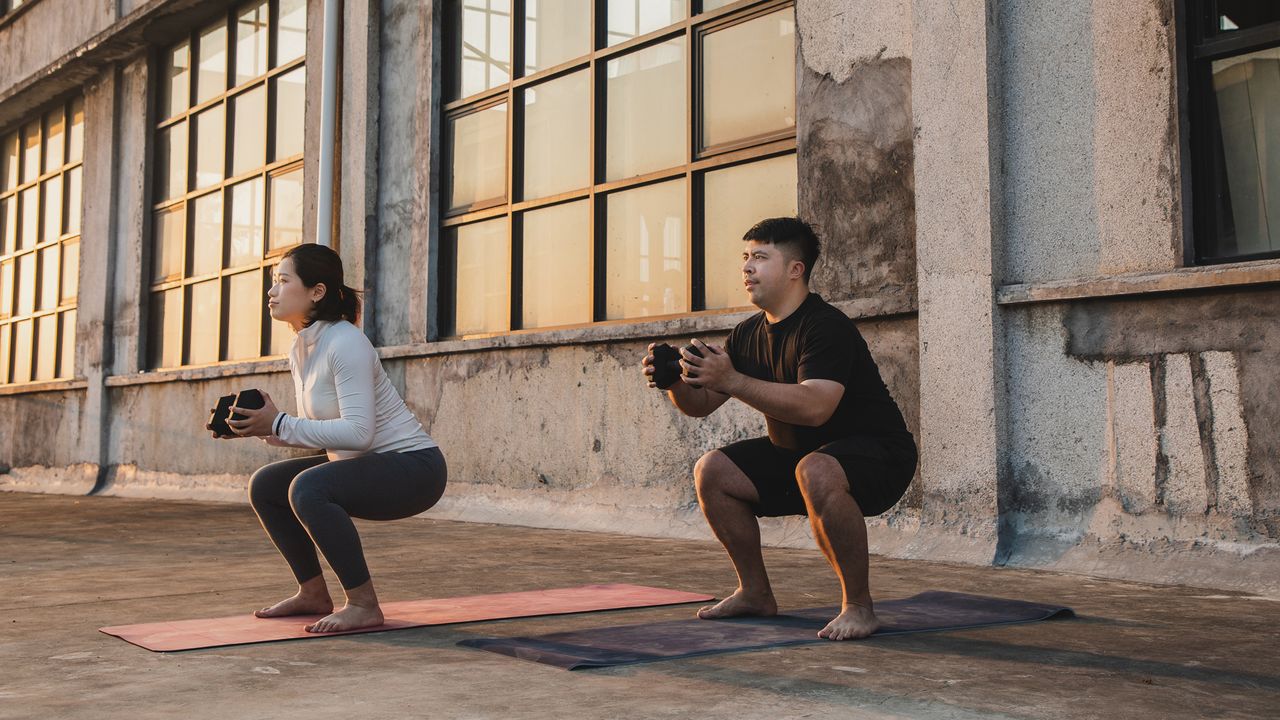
344 338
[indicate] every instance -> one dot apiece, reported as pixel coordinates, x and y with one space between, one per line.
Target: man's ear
795 269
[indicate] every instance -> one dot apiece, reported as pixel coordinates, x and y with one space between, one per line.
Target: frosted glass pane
291 31
202 318
251 42
646 263
557 266
211 75
482 297
749 79
206 234
171 162
631 18
165 331
286 210
290 111
555 31
479 157
245 300
645 113
249 136
168 237
483 42
557 127
177 79
210 143
248 207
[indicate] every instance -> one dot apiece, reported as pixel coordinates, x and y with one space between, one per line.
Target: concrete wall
46 31
953 157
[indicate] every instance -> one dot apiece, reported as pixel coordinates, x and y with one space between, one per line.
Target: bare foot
298 605
739 604
351 617
854 622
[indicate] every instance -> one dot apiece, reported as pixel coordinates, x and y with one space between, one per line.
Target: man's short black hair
794 236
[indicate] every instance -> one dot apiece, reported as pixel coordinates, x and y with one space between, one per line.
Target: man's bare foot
854 622
351 617
299 604
739 604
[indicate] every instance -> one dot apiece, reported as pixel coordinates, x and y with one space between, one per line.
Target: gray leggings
305 503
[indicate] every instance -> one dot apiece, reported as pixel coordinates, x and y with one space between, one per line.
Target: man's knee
821 478
712 471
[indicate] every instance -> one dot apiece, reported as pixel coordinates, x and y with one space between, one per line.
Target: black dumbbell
666 364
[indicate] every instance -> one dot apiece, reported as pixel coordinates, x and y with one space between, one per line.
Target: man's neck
792 299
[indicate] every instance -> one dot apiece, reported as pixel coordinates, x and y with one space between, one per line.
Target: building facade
1058 228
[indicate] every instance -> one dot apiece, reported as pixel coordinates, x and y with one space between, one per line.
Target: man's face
766 270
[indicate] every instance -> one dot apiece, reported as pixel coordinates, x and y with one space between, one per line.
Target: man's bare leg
841 533
726 495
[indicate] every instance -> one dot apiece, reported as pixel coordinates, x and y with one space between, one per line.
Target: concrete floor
73 564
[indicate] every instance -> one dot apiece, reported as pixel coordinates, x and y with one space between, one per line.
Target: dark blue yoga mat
622 645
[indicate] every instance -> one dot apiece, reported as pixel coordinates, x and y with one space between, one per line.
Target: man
838 449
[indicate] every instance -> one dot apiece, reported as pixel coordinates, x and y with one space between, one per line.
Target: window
1234 66
7 6
603 158
41 176
227 185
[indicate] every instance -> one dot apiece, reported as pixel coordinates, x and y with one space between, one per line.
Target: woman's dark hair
315 264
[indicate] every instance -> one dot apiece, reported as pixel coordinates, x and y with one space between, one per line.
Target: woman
379 463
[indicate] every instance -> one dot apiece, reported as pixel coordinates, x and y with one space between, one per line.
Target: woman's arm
354 366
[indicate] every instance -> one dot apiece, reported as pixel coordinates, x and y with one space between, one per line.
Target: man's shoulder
750 325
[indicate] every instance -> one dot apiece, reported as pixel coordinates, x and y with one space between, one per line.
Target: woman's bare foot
300 604
739 604
351 617
854 622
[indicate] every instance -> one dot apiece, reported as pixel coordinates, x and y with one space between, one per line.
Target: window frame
697 160
1200 127
269 171
62 306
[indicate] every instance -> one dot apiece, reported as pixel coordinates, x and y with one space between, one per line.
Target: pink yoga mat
246 629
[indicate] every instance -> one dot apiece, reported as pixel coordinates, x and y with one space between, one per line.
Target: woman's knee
266 486
308 490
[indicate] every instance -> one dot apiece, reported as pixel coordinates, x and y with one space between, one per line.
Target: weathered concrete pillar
358 152
94 302
952 81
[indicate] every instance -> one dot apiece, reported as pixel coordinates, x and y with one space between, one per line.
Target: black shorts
879 469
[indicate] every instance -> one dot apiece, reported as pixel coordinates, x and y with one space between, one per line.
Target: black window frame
1201 48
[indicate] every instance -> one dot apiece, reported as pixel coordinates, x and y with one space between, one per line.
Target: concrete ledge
1257 272
893 304
77 479
207 372
41 387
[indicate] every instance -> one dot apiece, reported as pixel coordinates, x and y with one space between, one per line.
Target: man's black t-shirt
817 342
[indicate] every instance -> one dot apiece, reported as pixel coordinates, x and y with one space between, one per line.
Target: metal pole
328 105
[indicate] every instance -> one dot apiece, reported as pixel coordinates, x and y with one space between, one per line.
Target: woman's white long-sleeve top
346 403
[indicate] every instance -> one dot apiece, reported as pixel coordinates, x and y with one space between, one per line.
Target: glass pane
250 134
52 208
31 152
482 297
245 300
557 127
484 46
736 199
211 78
210 141
9 161
645 114
291 102
169 234
29 212
206 234
1232 15
248 205
479 152
26 284
49 275
75 188
286 210
557 266
165 329
202 319
251 42
67 341
54 140
631 18
6 288
555 31
708 5
22 342
6 352
75 141
171 162
8 225
646 268
70 271
749 79
291 31
280 335
1248 104
46 347
177 79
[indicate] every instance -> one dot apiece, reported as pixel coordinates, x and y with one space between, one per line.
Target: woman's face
289 300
